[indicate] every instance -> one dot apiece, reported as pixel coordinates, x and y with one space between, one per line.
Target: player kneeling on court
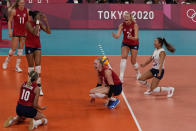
112 84
28 104
157 70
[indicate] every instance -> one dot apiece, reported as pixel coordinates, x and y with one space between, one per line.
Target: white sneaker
170 92
32 124
8 122
4 65
41 92
18 69
148 92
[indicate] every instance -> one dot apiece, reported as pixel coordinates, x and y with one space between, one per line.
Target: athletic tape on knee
11 52
158 89
30 69
20 51
38 69
136 66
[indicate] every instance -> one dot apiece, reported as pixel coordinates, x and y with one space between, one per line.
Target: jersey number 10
21 20
25 95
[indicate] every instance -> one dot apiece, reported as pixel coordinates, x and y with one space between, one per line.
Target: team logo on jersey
191 14
24 15
18 15
130 30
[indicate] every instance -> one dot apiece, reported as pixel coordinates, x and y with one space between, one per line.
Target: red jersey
27 94
115 77
20 20
128 30
32 40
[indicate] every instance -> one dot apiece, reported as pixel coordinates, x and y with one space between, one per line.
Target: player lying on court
157 71
112 84
33 44
27 106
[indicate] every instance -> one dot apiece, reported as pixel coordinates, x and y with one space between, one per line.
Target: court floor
68 75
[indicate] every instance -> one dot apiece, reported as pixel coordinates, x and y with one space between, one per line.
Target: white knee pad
11 52
136 66
20 51
38 69
30 69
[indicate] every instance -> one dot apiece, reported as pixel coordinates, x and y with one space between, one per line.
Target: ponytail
167 45
32 77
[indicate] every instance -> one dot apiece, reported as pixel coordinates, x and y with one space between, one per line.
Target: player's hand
114 35
44 107
92 100
10 34
44 18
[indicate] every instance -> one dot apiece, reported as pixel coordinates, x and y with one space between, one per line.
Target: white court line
125 99
131 111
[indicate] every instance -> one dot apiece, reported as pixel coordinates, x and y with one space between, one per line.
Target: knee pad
20 51
11 52
38 69
30 69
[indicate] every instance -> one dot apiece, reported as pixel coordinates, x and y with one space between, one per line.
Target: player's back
27 94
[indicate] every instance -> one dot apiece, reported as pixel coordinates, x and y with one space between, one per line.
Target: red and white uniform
115 77
128 30
20 20
27 94
33 41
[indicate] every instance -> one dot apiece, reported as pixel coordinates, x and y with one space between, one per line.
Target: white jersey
156 58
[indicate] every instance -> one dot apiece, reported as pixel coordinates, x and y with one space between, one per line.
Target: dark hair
33 13
167 45
32 77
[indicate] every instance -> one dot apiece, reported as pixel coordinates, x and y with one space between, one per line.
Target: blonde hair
32 77
131 17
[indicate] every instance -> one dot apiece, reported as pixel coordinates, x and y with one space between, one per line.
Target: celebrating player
28 106
20 16
112 84
33 45
157 70
130 43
